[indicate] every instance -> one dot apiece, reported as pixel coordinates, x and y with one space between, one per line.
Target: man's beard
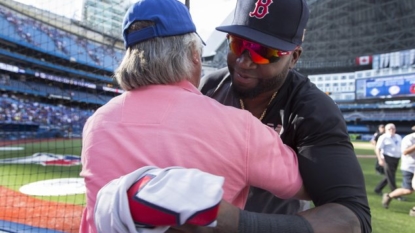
264 85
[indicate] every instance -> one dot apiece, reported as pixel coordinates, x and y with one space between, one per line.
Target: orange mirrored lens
259 54
258 58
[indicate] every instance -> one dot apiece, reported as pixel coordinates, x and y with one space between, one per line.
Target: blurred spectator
408 170
388 152
376 135
4 79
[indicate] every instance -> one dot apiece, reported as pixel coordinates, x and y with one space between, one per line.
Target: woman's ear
295 56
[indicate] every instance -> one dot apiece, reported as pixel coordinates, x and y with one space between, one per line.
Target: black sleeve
328 164
255 222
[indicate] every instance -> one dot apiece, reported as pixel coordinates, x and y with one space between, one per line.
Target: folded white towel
158 198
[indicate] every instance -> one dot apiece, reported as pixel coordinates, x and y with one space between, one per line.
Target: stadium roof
341 30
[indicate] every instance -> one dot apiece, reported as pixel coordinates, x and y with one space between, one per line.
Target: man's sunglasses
259 54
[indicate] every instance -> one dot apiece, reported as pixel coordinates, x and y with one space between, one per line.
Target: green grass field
395 219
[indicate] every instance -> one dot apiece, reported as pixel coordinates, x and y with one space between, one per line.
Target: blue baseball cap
170 18
278 24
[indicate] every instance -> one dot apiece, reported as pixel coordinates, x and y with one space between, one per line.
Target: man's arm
378 152
409 150
330 218
327 218
340 180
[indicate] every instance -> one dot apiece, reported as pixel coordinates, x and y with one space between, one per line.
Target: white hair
161 60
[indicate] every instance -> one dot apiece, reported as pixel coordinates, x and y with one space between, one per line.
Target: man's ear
196 56
295 56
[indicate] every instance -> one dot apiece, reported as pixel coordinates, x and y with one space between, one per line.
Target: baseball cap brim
257 36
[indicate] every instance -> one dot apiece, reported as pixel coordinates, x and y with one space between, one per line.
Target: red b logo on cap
261 9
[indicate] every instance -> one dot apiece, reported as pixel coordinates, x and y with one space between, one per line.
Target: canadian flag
364 60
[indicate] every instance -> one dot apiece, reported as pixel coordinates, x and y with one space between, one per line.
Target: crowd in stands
20 110
38 86
381 115
57 41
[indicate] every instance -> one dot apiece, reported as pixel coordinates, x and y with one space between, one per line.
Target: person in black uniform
264 45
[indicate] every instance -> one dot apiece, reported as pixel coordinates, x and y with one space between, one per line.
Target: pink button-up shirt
175 125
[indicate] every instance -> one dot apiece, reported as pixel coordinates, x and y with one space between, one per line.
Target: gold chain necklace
265 110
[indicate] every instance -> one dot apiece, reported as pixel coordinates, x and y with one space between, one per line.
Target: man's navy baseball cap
279 24
170 17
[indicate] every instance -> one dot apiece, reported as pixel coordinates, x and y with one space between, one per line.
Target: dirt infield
20 208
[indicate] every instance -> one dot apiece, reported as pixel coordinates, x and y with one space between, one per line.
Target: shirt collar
188 86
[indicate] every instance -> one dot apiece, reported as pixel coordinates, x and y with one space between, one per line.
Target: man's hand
381 162
228 220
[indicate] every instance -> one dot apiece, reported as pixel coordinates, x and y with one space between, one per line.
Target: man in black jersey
264 45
